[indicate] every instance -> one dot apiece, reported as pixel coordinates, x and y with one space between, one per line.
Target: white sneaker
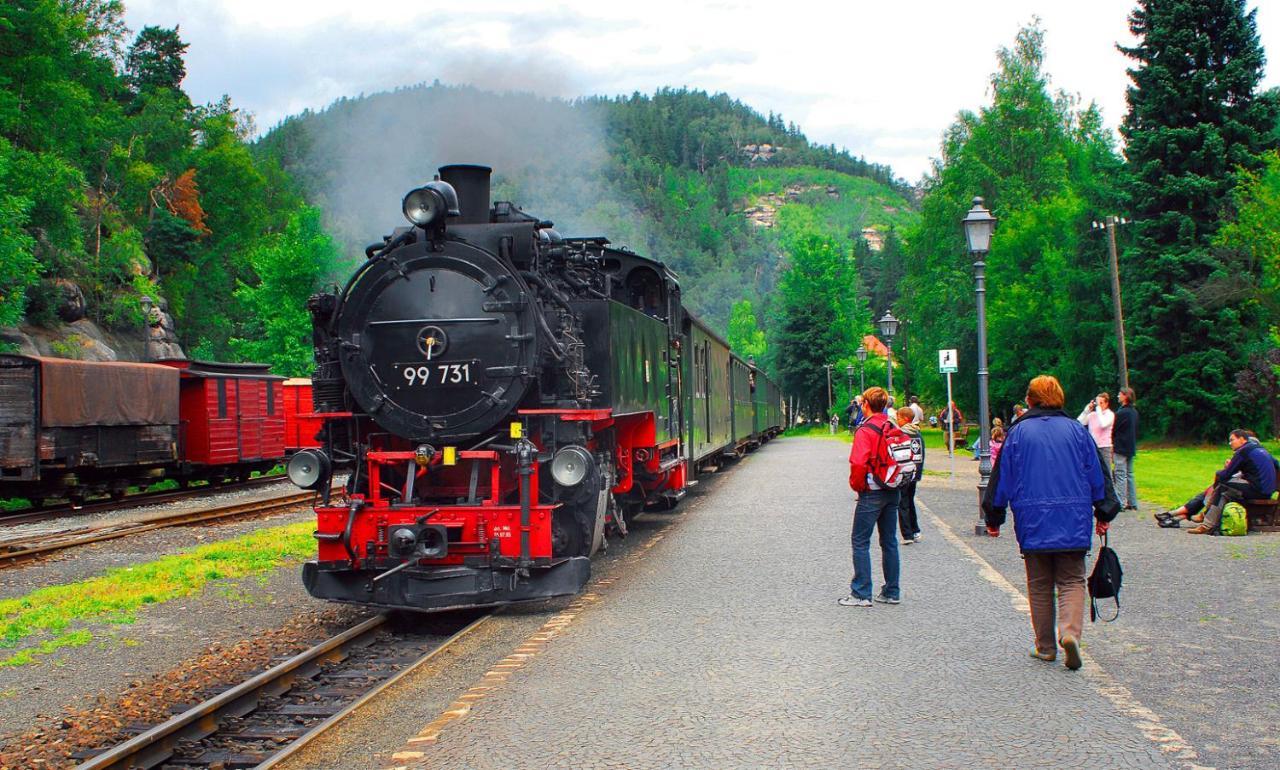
888 599
917 538
853 601
908 541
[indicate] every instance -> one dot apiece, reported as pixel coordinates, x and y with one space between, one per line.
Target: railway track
138 500
21 549
271 715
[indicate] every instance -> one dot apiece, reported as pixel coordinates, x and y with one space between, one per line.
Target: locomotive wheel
569 532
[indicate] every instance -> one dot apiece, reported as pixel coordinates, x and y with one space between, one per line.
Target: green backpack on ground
1234 520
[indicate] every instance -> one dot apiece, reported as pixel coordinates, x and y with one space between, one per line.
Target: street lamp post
861 352
848 371
147 302
829 404
978 226
888 328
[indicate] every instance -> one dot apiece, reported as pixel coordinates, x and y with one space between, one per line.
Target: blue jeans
876 509
1126 486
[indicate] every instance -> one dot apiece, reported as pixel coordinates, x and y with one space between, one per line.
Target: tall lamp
147 303
861 353
888 328
978 226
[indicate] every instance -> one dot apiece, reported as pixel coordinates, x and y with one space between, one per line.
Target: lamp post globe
861 353
888 328
978 225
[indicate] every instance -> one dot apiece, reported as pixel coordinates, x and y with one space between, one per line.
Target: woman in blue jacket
1049 473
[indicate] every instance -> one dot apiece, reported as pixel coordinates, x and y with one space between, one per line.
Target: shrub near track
115 596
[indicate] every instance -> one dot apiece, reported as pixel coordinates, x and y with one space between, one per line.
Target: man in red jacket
877 506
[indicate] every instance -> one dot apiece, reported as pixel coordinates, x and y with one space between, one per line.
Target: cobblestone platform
723 646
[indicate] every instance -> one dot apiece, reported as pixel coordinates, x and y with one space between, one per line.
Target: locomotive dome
437 333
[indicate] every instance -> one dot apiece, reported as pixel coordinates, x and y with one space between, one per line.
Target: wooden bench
959 439
1263 515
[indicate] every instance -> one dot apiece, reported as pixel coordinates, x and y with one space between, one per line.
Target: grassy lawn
1167 476
932 436
1172 475
115 596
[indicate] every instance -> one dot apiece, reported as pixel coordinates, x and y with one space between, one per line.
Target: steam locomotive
503 396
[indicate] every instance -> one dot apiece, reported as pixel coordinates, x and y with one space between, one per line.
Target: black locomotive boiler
503 396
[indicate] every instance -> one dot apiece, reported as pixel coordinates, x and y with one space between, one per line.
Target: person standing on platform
950 420
1049 473
1124 441
877 507
1099 419
917 412
908 520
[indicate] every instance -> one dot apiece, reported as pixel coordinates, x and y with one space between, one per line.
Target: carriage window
271 398
222 398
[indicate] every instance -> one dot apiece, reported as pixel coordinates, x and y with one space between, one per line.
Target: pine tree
1196 120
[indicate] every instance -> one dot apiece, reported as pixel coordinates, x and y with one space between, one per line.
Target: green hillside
668 175
143 202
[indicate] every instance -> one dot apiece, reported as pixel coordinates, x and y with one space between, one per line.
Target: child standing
908 521
997 441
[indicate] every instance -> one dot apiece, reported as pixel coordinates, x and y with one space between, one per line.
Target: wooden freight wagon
300 423
72 428
232 419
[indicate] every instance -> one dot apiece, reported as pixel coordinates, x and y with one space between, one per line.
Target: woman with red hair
1049 472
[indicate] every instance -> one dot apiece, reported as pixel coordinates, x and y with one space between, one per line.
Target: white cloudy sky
881 78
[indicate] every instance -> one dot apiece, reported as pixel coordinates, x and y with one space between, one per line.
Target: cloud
877 78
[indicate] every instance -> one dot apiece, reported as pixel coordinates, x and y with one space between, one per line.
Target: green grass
118 594
1170 476
1167 476
932 436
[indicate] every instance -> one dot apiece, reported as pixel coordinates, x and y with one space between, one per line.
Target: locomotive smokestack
472 184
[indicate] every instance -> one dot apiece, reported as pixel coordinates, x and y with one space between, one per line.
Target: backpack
1235 521
899 468
1104 583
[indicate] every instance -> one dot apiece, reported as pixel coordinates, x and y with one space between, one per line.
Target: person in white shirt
917 411
1098 418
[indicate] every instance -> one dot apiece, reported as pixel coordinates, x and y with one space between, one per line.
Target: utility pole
1109 224
829 402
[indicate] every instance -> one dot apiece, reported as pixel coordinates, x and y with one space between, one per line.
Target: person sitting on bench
1250 474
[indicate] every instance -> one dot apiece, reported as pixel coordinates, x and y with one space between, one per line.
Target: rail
185 733
21 549
132 501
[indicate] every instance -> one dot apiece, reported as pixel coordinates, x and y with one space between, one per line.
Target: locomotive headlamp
309 469
431 203
570 466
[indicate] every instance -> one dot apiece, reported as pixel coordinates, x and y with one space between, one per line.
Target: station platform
722 646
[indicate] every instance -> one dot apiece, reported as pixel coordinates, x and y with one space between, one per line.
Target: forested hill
702 182
120 198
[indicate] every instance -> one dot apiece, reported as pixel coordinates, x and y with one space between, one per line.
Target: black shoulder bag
1104 583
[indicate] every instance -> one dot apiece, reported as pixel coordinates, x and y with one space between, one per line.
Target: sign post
948 364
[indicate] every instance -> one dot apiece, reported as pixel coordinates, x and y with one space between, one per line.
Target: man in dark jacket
1050 473
1124 438
1249 475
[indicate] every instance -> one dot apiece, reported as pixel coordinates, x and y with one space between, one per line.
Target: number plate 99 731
437 374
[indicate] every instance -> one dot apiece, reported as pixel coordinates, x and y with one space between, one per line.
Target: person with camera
1099 419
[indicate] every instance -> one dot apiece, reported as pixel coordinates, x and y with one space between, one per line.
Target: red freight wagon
300 426
232 415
